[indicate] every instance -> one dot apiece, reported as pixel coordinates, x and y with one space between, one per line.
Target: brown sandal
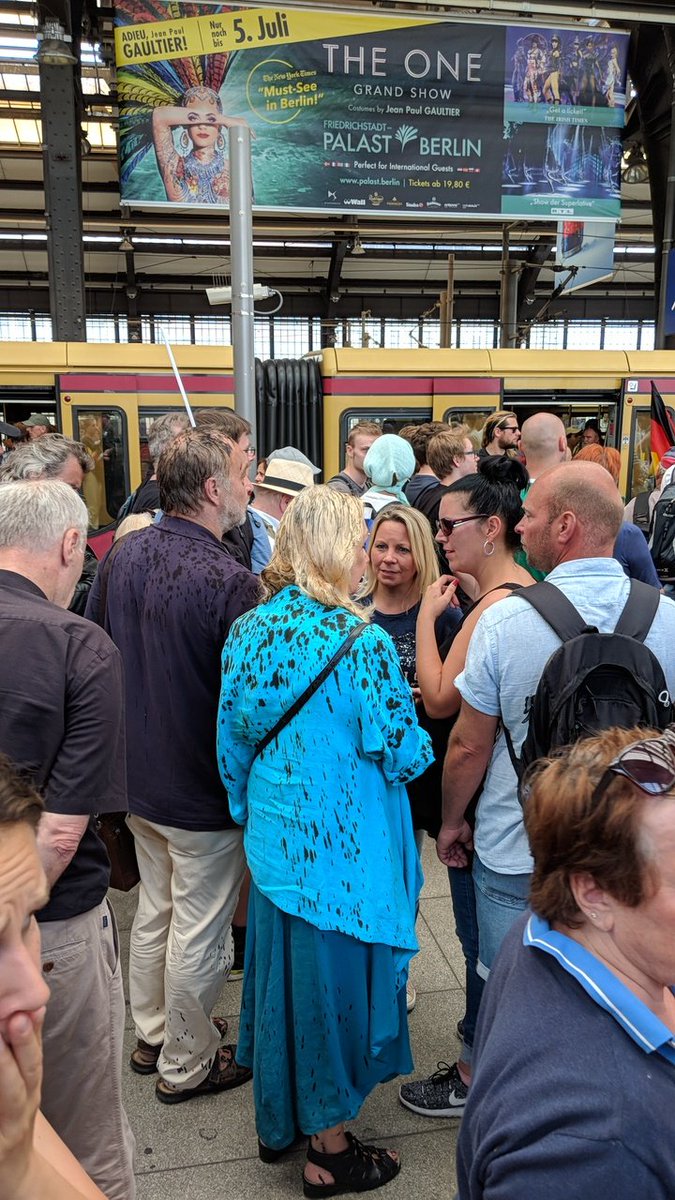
225 1073
144 1058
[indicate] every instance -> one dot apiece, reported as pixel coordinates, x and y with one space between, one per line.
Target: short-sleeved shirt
588 1111
173 591
507 653
62 721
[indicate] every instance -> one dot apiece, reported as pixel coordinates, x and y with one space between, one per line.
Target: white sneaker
410 996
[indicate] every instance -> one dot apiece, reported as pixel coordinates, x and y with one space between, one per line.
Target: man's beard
232 513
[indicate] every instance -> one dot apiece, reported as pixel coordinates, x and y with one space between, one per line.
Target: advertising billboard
588 246
354 112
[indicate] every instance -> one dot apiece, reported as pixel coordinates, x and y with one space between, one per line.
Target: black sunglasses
447 525
650 765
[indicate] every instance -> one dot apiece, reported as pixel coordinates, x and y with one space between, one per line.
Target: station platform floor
206 1149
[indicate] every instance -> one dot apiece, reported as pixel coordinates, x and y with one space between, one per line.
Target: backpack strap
556 609
639 610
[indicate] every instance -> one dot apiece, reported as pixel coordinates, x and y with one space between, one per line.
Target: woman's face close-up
391 556
23 890
464 544
203 128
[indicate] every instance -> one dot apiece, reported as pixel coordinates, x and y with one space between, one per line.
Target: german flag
662 427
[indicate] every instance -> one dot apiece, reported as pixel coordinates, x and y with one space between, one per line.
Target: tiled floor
207 1149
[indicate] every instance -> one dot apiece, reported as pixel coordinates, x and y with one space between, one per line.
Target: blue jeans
499 901
466 927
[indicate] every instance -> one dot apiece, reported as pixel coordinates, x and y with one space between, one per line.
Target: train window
640 476
104 434
474 418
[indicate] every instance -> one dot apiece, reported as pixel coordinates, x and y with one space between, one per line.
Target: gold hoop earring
488 548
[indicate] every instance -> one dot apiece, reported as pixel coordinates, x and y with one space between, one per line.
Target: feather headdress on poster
145 86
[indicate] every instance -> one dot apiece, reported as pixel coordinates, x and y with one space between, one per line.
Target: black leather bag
119 842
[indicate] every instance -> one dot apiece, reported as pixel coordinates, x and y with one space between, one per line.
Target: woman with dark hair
476 529
575 1086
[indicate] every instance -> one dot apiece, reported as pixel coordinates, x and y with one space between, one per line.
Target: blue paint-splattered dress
330 845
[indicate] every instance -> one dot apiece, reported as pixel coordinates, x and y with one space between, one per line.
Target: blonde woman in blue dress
329 841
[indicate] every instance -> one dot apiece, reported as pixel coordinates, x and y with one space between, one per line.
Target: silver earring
184 142
220 142
594 916
488 548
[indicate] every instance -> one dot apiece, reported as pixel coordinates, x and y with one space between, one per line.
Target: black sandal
359 1168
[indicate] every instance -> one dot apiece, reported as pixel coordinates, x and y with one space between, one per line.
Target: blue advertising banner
369 112
588 247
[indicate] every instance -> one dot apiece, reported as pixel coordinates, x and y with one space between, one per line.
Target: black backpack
642 515
594 680
662 536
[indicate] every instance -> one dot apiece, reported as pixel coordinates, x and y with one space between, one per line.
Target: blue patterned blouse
328 829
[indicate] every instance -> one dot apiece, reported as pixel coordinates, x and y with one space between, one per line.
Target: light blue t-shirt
507 653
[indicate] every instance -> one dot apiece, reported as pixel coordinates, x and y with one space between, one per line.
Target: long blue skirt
323 1021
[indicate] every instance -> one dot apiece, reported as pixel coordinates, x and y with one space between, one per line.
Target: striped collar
603 986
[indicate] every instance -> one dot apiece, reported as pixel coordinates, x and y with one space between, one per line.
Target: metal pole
241 240
450 310
508 299
669 215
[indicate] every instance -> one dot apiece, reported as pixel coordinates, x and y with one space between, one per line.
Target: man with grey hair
162 432
62 722
171 593
50 457
56 457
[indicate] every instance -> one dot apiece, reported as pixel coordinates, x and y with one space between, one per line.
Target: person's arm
436 678
58 837
64 1178
164 120
466 762
429 666
34 1163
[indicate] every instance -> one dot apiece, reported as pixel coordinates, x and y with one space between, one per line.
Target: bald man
571 518
543 441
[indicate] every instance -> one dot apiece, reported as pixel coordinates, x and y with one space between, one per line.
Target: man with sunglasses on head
571 518
501 435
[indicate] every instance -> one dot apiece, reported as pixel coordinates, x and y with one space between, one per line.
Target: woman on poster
198 172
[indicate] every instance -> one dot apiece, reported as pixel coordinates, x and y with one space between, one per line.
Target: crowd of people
288 687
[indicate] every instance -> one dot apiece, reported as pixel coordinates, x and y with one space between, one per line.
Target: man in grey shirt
353 479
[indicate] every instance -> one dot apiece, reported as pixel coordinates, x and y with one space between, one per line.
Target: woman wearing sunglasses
476 529
579 1013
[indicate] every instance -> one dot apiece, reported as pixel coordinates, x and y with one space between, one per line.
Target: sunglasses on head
446 524
650 765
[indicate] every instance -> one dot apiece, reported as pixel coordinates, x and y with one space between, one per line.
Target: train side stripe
211 384
404 385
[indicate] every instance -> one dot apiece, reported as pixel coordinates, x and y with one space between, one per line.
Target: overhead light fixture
54 46
357 246
126 246
634 167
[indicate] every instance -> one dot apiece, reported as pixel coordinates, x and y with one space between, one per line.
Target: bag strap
510 587
639 610
309 691
556 609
